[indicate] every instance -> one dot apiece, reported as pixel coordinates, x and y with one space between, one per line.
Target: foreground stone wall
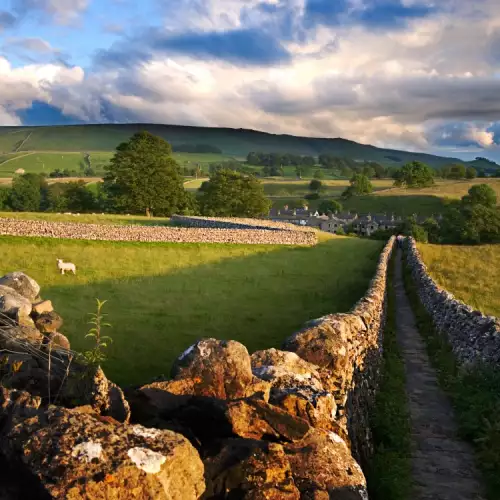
472 335
278 424
165 234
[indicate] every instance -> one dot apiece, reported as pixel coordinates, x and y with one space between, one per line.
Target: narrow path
23 143
443 466
15 158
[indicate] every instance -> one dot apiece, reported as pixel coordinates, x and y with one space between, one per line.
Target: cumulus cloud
306 67
63 11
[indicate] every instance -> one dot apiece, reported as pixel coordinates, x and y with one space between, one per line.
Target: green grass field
163 297
472 273
38 162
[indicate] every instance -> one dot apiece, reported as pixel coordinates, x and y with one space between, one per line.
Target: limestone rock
217 368
14 338
323 467
44 306
318 411
49 322
256 419
59 341
76 455
22 284
13 304
249 469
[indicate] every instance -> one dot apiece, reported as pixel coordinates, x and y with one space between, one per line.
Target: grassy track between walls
390 474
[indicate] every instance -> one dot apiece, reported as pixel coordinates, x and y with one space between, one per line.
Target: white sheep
65 266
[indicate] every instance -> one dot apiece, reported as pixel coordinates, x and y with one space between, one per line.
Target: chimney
285 207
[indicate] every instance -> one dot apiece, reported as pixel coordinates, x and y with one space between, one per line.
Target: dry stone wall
236 223
163 234
473 336
278 424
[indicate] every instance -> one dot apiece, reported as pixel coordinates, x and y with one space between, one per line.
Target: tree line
141 178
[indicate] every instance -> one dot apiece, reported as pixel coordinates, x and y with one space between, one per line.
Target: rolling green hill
232 142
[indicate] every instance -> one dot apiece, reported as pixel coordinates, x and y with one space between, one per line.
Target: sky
421 75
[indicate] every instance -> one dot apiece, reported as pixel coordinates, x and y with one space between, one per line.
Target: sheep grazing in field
66 266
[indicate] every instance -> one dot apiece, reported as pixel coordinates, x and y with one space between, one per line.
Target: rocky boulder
215 368
322 468
49 322
76 454
250 469
22 284
13 304
44 306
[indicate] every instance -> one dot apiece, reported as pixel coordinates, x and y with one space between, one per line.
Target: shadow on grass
257 299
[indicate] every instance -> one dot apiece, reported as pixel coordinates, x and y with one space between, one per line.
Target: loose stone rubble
248 235
473 336
277 424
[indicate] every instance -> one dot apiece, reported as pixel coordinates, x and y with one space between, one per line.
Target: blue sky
413 74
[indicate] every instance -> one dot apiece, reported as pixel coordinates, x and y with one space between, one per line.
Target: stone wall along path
443 466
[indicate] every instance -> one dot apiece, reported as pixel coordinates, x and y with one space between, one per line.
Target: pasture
44 163
471 273
163 297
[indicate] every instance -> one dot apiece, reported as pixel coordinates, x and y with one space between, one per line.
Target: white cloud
63 11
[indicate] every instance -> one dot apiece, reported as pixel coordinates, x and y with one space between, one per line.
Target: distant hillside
235 142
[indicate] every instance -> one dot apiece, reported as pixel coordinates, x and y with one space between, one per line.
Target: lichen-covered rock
75 454
215 368
322 467
44 306
286 371
14 407
256 419
13 304
58 341
17 337
49 322
250 470
318 410
22 284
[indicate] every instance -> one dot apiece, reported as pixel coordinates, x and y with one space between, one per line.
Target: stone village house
362 224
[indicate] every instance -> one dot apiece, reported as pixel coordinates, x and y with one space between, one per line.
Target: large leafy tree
360 185
481 194
144 178
28 193
329 207
233 194
414 175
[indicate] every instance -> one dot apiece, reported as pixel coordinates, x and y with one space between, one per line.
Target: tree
143 177
232 194
4 198
369 171
79 198
318 174
481 194
360 185
28 192
414 175
315 185
457 172
329 207
471 173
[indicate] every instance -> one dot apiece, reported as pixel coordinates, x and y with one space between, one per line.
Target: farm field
37 162
88 218
163 297
471 273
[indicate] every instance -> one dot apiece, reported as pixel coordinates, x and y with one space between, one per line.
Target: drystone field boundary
285 424
472 335
236 223
150 234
